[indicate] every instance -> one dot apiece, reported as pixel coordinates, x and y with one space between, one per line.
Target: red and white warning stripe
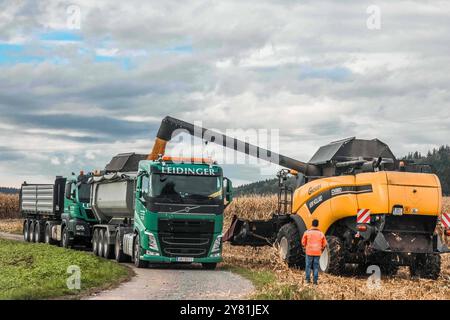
445 219
363 216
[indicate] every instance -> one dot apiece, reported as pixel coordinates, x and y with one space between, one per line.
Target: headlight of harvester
217 244
152 244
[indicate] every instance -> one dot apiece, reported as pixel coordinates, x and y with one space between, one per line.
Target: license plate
185 259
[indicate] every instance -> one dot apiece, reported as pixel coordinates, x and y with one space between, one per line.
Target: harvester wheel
119 255
389 269
332 260
427 266
137 254
289 246
95 242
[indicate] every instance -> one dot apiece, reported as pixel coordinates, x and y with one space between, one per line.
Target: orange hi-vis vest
314 241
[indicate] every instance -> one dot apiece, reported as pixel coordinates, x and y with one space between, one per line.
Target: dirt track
174 283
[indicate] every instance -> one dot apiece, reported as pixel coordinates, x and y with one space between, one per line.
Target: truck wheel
65 238
209 266
137 254
107 250
31 231
289 246
26 231
48 235
427 266
118 252
38 232
332 259
95 242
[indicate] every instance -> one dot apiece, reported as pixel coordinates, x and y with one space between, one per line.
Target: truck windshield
84 192
182 188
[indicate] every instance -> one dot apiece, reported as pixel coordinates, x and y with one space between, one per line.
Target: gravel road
174 282
179 283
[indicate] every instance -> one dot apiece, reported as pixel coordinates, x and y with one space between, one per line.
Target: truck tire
38 234
107 248
65 238
332 260
26 231
289 246
31 230
209 266
426 266
118 251
95 242
48 235
137 253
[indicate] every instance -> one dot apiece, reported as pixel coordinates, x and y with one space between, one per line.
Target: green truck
169 210
58 213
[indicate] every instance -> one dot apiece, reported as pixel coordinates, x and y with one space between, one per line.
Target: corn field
400 287
9 206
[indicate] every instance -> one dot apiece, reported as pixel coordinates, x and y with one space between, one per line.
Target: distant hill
9 190
439 159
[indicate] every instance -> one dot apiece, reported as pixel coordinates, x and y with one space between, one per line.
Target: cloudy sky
83 80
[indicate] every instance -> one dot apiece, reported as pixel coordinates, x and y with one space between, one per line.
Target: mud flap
380 243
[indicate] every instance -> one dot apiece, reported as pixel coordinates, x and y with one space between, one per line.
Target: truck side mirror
228 187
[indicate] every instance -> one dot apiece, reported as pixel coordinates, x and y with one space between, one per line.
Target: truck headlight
152 244
79 227
217 244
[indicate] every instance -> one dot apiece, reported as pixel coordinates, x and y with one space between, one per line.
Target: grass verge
268 287
40 271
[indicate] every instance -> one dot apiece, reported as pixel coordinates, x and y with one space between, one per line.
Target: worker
313 242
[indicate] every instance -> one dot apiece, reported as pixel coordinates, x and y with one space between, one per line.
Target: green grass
268 288
38 271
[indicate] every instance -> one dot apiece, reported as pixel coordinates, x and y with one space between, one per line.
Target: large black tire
95 242
209 266
332 260
26 231
65 238
290 247
31 230
38 232
137 253
118 252
426 266
108 249
389 270
48 235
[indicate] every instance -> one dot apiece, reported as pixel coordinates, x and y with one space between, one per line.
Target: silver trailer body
38 199
112 196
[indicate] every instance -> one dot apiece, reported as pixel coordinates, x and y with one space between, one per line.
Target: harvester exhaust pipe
170 125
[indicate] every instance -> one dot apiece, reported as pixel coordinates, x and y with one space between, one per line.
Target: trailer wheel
137 254
427 266
38 232
95 242
209 266
26 231
31 231
119 255
107 248
289 246
65 239
332 259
